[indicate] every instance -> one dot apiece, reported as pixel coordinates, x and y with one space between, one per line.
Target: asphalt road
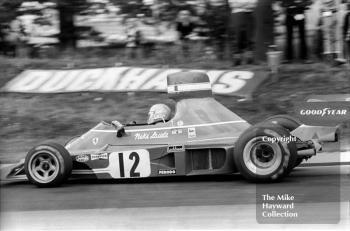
307 184
318 194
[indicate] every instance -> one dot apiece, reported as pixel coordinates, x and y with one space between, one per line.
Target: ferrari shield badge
95 140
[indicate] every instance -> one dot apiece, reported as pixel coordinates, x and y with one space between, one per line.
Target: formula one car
202 138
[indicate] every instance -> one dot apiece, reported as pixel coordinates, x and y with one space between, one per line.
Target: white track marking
173 127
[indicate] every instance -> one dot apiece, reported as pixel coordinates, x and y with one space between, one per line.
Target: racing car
202 138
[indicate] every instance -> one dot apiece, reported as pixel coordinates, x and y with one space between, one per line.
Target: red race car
202 138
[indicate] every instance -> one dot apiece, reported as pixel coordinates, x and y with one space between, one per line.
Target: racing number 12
133 156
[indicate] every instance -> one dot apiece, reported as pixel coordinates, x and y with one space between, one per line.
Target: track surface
308 183
319 189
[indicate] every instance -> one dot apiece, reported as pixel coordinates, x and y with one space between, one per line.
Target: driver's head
158 113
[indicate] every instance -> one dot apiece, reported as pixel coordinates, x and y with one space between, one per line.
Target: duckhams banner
122 79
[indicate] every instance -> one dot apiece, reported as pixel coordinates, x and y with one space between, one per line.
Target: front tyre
48 165
260 159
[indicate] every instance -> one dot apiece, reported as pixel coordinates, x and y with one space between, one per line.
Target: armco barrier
224 82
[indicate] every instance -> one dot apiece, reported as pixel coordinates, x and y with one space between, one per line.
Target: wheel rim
43 166
261 157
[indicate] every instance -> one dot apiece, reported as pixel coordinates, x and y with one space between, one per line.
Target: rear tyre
298 162
286 121
48 165
259 159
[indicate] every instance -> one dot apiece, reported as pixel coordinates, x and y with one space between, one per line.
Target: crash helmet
158 113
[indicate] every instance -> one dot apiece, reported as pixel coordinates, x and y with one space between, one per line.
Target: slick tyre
286 121
48 165
260 160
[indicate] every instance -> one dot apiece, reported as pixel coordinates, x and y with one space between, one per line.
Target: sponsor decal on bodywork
323 113
166 171
82 158
126 164
151 135
191 133
102 156
180 123
176 148
176 131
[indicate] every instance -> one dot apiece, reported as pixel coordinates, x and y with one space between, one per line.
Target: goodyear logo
323 113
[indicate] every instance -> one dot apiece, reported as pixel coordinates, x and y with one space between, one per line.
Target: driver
158 113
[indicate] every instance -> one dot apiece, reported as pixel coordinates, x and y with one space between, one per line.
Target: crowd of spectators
328 39
230 27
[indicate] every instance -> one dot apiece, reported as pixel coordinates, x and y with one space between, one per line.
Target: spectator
329 29
134 38
242 20
346 32
184 26
13 38
7 41
216 18
318 38
295 16
20 37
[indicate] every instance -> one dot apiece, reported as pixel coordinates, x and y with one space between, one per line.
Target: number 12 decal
133 156
132 164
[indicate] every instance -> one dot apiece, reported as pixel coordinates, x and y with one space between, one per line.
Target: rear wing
182 85
320 133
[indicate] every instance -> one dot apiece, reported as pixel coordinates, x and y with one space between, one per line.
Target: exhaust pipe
307 152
